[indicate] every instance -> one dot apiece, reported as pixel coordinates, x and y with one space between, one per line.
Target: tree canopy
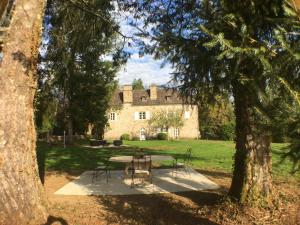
165 119
241 49
137 84
76 70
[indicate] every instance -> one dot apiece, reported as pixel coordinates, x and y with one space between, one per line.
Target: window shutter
136 115
116 116
186 114
147 115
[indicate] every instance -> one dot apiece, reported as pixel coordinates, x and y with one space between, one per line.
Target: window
176 132
162 130
168 98
187 114
112 116
142 115
143 98
142 134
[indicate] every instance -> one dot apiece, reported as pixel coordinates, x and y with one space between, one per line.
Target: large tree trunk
252 182
22 198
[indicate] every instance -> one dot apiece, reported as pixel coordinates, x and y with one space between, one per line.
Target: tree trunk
252 182
70 131
22 198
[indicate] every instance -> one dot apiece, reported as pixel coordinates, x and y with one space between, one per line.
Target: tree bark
70 130
22 198
252 181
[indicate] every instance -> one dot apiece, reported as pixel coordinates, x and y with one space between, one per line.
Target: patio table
127 159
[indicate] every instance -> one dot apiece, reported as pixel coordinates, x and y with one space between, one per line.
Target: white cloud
146 68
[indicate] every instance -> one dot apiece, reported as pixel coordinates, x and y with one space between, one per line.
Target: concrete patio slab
118 184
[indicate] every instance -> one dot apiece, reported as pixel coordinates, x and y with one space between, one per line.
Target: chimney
127 94
153 92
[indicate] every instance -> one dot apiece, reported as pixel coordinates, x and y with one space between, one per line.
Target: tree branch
85 9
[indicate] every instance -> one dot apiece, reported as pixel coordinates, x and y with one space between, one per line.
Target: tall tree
75 66
22 200
137 84
217 46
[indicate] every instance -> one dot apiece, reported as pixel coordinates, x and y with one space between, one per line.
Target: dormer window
143 98
168 98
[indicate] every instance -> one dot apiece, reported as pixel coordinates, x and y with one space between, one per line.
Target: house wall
126 122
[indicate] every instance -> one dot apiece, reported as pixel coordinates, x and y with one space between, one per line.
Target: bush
125 137
209 132
94 142
162 136
227 131
135 138
117 142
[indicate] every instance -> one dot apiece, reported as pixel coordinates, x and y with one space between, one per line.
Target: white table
127 159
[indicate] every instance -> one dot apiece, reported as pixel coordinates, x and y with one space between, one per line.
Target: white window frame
142 115
112 116
147 115
176 132
142 134
136 115
187 114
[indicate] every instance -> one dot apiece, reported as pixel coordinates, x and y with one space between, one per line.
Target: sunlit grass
206 154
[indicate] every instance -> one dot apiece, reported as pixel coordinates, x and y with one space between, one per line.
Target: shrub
125 137
162 136
94 142
227 131
117 142
135 138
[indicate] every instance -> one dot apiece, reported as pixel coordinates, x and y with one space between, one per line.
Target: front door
142 134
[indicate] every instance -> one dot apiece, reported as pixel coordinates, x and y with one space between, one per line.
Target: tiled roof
142 97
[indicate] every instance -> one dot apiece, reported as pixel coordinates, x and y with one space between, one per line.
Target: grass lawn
206 155
212 158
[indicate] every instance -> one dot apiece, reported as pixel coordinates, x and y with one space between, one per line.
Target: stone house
131 110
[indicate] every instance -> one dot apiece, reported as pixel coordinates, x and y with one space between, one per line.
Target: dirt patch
197 207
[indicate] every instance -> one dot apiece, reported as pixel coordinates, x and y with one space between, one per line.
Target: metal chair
141 166
185 164
102 168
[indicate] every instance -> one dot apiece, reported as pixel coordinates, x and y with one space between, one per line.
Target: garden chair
101 169
185 164
141 167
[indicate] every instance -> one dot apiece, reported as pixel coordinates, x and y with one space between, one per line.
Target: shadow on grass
77 159
214 173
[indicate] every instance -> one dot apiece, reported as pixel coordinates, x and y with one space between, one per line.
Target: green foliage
214 117
74 68
207 154
162 136
166 119
135 138
137 84
46 110
218 47
227 131
292 151
125 137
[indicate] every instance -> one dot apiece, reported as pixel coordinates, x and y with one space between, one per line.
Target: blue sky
146 68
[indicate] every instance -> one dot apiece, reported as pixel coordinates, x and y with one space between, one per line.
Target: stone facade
132 110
